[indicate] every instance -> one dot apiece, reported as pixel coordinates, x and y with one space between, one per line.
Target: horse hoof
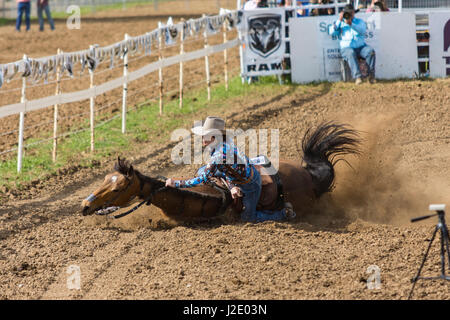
289 211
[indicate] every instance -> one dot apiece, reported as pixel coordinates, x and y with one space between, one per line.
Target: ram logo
265 34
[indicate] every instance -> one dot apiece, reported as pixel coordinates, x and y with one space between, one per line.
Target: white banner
440 44
316 57
264 46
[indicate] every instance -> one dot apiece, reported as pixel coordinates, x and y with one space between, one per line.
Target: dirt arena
324 254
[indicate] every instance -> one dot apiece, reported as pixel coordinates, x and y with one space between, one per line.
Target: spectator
302 12
324 11
351 31
263 4
42 5
23 6
377 5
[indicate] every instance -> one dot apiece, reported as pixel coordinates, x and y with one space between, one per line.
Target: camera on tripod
445 246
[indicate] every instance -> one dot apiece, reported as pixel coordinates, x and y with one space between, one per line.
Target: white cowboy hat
211 126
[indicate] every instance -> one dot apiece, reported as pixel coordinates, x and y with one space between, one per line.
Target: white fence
41 69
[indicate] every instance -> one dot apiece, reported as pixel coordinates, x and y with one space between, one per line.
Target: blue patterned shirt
236 169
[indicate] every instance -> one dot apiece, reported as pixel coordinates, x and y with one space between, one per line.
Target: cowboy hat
212 125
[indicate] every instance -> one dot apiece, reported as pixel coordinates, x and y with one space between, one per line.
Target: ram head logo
265 34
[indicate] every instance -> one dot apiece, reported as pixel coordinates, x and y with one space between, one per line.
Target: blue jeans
252 191
351 56
41 17
23 7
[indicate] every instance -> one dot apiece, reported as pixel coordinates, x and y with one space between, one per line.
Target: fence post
181 63
208 80
160 40
21 125
55 110
92 108
155 4
125 88
225 57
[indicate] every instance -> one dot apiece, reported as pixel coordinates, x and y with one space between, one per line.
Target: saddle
271 197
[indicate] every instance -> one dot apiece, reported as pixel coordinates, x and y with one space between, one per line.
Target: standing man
351 32
42 5
23 6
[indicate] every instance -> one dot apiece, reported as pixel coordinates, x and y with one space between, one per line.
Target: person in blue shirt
351 32
303 12
241 177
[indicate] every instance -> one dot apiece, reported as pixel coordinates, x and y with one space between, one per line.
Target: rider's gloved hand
236 192
170 183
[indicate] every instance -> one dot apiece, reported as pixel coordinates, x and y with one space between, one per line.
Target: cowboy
242 178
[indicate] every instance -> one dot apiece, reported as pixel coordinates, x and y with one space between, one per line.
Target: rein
146 200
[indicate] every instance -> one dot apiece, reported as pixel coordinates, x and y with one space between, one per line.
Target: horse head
118 190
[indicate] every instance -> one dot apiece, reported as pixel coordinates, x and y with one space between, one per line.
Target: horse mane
124 167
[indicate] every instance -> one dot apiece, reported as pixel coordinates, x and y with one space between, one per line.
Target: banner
439 44
263 34
315 54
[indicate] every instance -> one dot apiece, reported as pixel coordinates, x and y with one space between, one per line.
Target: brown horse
301 185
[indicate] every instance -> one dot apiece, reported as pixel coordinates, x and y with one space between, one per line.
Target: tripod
444 245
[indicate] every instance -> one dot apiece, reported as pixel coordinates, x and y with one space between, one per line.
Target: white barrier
439 44
113 84
315 54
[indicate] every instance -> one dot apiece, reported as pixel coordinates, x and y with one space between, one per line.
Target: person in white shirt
251 4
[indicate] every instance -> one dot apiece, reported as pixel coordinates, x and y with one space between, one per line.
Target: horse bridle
147 200
130 183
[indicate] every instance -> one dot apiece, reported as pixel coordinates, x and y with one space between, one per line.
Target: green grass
143 124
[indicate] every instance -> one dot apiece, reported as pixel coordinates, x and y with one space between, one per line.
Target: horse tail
323 148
